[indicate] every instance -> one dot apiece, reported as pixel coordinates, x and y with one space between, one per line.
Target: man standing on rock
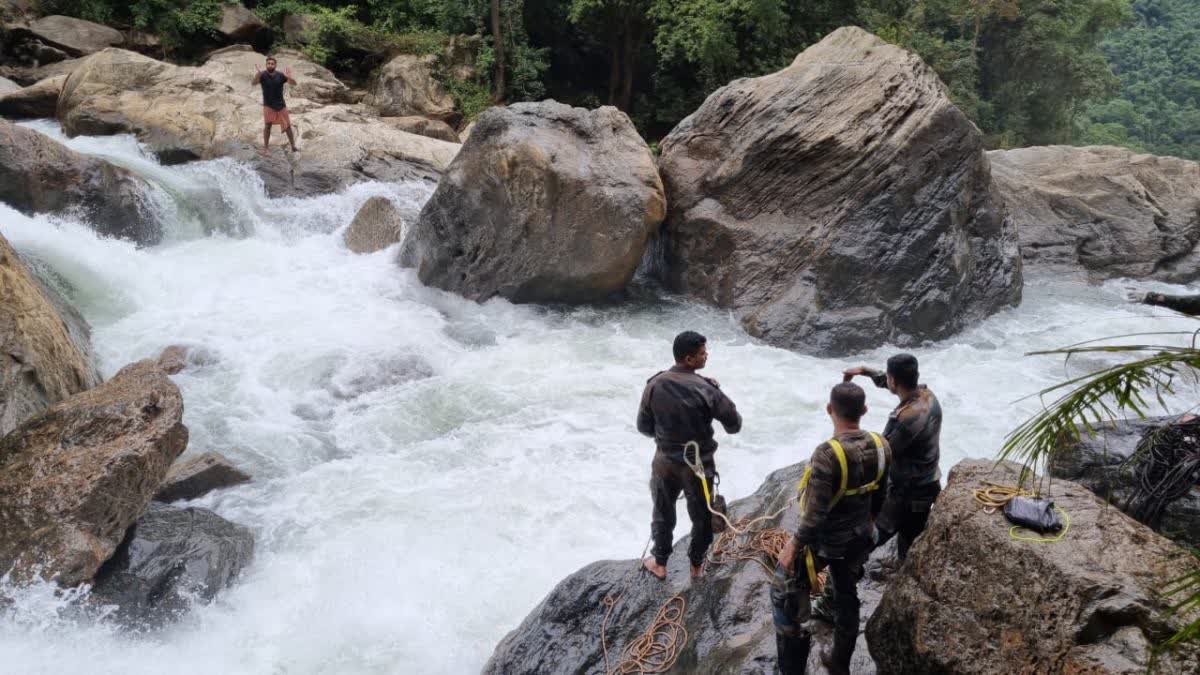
679 406
835 531
913 430
274 109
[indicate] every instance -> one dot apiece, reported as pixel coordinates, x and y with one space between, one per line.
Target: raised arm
287 72
877 376
257 75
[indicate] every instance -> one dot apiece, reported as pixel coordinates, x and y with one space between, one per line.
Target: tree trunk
614 71
627 63
498 48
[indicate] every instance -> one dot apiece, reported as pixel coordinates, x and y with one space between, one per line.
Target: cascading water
426 468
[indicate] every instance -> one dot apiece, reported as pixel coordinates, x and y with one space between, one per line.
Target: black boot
837 658
792 653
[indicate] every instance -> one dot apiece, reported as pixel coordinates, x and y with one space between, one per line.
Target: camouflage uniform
914 481
679 406
840 536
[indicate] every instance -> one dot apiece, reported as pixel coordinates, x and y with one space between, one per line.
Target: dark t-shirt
272 86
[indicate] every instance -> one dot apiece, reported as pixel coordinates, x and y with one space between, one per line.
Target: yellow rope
994 496
1012 531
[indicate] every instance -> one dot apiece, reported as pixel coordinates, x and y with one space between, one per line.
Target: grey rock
7 86
74 36
74 478
461 55
839 204
728 615
28 76
544 203
376 226
299 28
35 101
45 345
198 476
40 175
239 24
1103 211
406 86
424 127
1098 462
170 558
972 599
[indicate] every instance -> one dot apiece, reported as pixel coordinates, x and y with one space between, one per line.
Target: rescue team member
274 109
913 430
835 531
678 406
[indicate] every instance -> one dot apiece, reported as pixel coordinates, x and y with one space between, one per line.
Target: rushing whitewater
427 468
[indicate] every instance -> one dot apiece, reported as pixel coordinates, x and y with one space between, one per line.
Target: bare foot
697 571
264 152
654 568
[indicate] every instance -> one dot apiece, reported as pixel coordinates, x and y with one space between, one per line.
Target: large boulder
971 598
30 75
1109 212
41 175
239 24
43 344
299 29
461 56
170 558
727 615
210 111
406 86
34 101
74 478
199 476
838 204
376 226
74 36
545 203
1100 462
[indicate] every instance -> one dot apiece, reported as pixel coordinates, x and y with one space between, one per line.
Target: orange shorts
279 117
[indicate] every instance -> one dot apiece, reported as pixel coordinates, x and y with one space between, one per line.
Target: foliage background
1122 72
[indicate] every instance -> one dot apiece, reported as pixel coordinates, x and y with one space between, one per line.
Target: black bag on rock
1034 513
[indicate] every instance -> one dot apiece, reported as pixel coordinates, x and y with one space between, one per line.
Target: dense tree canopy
1124 72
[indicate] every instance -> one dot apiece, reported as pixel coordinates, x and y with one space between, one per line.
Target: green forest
1123 72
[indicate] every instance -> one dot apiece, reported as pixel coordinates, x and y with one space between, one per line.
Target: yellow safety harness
843 490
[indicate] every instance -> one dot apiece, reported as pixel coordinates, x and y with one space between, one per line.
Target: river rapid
427 468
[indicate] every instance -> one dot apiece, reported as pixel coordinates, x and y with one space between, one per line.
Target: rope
655 650
993 496
742 526
731 546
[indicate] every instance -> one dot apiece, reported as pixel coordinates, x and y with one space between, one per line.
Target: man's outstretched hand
287 72
849 373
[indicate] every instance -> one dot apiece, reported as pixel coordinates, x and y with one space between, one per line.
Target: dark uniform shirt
679 406
834 529
272 89
913 430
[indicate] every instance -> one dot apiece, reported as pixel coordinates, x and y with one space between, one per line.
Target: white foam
405 525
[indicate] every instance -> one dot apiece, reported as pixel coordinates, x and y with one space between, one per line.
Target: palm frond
1187 586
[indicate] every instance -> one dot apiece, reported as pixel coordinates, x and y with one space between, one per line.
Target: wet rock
74 478
728 615
184 113
239 24
372 375
41 175
35 101
376 226
406 86
839 204
424 127
972 599
199 476
173 359
546 203
1109 212
170 558
1098 462
74 36
44 345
